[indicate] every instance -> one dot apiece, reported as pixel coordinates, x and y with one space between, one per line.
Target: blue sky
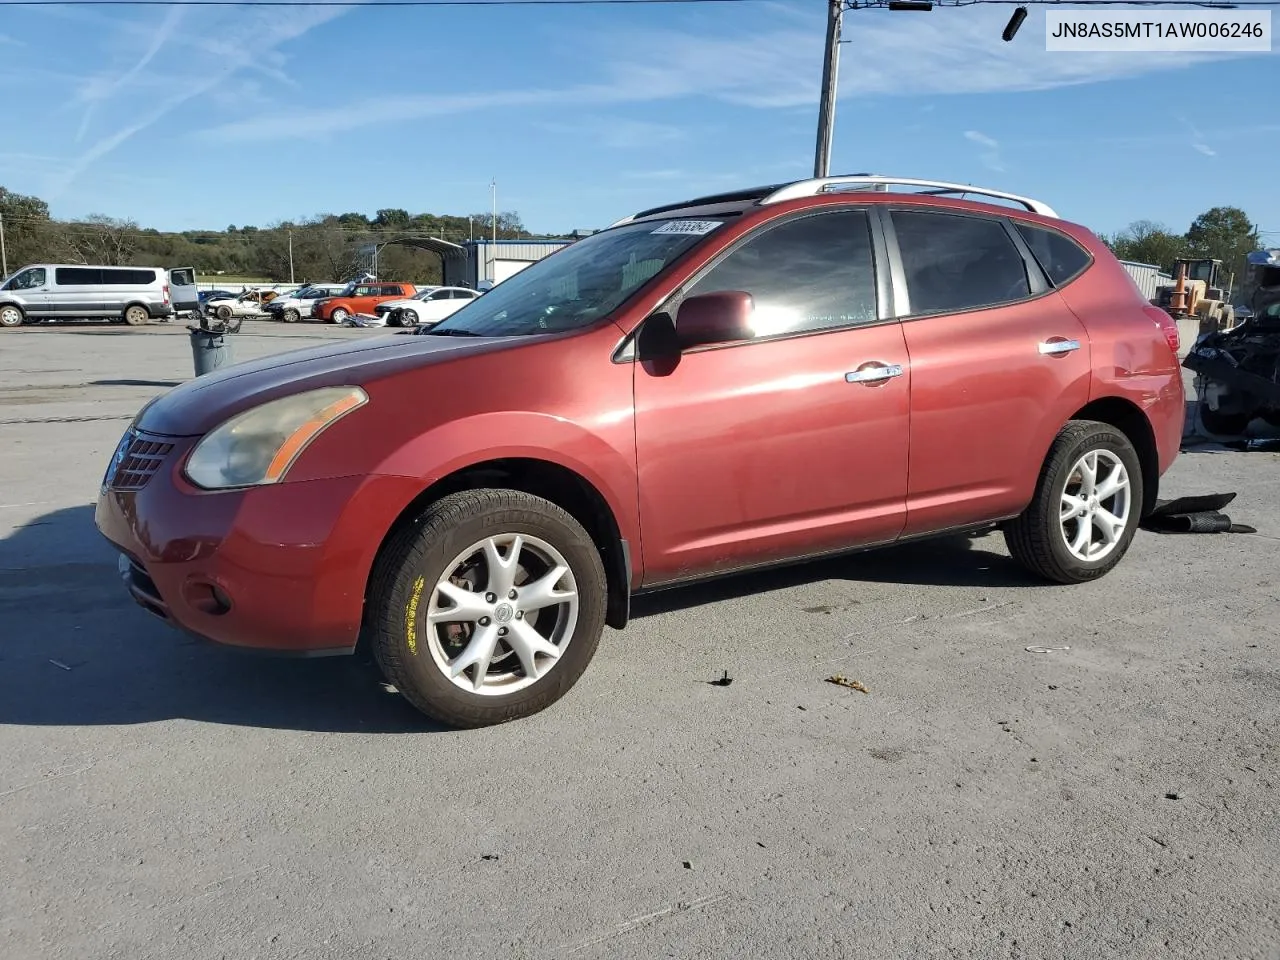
201 117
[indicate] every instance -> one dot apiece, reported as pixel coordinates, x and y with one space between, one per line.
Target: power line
351 3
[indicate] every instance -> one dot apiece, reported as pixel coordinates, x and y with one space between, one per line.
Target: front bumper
279 568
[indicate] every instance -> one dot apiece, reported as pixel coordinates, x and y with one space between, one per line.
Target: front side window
955 263
811 273
579 284
28 279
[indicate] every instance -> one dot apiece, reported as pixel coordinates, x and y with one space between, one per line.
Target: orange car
360 298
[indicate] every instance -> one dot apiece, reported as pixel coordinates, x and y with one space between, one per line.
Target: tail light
166 294
1168 326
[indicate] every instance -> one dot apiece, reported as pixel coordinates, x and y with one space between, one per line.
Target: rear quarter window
136 278
1061 257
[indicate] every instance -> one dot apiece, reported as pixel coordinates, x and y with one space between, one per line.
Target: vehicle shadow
75 650
951 561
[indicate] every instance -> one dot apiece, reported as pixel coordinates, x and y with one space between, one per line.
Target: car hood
199 405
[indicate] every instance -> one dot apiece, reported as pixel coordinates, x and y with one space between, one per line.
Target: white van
76 291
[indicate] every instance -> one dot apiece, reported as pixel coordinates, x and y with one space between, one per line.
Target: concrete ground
1111 792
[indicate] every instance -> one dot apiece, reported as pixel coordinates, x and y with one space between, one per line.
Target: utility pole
4 258
493 249
291 256
827 106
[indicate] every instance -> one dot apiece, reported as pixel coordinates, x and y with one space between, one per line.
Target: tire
1037 538
1224 424
291 315
408 318
11 315
224 312
339 315
412 653
136 316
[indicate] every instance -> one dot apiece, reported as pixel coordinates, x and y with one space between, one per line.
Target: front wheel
11 316
488 608
408 318
1086 507
291 315
339 316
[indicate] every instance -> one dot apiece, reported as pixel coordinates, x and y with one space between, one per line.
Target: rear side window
129 278
78 276
182 278
1061 257
954 263
811 273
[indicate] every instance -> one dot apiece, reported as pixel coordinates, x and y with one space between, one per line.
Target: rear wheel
488 608
1086 506
291 315
136 316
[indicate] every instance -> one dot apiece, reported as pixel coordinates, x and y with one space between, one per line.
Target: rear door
790 444
998 364
182 289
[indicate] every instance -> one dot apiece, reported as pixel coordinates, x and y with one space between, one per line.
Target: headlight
258 446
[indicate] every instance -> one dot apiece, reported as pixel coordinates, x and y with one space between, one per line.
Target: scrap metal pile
1239 368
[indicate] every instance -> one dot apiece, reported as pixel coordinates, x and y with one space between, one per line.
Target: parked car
251 303
360 298
300 304
428 306
206 295
708 387
59 291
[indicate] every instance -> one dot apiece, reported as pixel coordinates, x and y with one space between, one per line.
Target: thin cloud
769 67
276 24
990 154
8 41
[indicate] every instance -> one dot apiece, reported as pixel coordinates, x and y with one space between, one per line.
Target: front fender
604 457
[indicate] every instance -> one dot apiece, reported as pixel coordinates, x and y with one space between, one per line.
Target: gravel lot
1114 796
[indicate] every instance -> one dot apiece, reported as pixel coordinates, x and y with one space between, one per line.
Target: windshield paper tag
694 227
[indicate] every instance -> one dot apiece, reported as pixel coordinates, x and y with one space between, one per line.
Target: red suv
722 384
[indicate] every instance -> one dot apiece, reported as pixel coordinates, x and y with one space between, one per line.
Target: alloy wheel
1096 505
502 614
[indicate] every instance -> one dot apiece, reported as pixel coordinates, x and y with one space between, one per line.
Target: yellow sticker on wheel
411 615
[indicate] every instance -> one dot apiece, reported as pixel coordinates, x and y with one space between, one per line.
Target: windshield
578 284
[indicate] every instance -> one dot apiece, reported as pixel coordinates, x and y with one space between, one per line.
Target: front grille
141 460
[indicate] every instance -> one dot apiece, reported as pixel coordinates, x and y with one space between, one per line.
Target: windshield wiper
430 332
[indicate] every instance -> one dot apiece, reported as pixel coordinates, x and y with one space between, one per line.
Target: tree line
1221 233
324 248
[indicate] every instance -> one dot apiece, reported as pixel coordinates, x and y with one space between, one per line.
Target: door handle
1059 346
874 372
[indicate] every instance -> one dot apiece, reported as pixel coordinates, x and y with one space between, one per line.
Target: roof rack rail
869 181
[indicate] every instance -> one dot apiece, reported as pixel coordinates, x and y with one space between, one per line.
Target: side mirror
722 317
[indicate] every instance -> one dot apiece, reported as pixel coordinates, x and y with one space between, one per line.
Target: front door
788 445
998 364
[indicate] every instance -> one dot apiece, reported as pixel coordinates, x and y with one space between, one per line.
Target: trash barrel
210 348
